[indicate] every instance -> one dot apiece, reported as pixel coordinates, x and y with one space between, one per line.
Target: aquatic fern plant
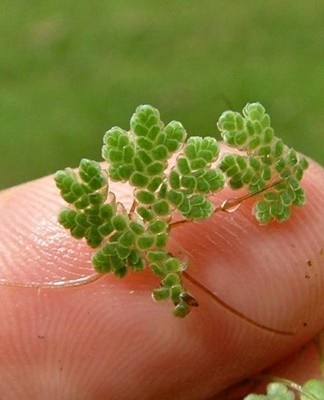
136 238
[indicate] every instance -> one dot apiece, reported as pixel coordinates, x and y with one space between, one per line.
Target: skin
108 339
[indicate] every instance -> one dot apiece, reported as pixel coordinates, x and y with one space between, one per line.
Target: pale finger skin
108 339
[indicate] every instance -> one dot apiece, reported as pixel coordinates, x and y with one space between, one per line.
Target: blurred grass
71 70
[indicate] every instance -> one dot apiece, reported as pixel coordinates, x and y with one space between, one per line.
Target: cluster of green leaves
265 159
311 390
132 239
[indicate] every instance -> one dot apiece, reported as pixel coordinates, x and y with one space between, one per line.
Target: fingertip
262 271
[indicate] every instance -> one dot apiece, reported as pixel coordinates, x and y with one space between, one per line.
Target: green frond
267 160
135 238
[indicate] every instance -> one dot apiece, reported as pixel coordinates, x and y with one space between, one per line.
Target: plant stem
230 203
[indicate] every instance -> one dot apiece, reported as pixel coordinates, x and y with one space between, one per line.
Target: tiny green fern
132 239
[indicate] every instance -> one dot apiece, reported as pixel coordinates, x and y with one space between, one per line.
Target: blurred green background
72 69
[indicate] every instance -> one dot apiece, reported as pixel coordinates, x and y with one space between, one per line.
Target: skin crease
109 340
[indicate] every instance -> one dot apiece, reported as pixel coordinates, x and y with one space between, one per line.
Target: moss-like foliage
132 239
264 159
